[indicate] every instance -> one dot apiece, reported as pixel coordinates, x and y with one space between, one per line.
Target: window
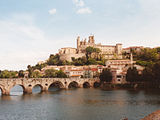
118 76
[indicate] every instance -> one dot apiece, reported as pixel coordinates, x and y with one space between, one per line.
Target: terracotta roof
75 75
94 69
68 48
76 70
119 63
118 60
134 47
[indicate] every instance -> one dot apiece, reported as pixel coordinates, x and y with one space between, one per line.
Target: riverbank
153 116
137 86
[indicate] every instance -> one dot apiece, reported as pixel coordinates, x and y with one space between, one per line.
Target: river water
79 104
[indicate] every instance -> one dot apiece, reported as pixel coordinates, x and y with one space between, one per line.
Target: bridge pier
44 89
28 90
80 86
66 87
92 85
6 92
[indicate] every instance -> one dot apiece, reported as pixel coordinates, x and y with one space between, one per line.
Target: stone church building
107 51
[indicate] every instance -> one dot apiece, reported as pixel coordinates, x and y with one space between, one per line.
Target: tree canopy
91 50
52 73
106 75
147 57
21 74
132 75
8 74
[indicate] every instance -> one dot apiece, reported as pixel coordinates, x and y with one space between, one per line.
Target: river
79 104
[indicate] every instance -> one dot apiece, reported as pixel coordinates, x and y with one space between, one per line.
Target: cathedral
107 51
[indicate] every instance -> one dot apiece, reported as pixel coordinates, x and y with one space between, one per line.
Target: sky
31 30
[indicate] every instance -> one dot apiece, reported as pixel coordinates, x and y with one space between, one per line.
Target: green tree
53 59
39 66
8 74
102 62
156 71
21 74
79 62
50 73
13 74
36 74
73 58
61 74
145 63
106 76
89 51
84 60
97 53
147 75
132 75
30 70
148 54
91 61
158 49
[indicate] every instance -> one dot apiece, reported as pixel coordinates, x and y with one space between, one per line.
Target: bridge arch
37 88
2 89
56 84
13 87
73 84
96 84
86 85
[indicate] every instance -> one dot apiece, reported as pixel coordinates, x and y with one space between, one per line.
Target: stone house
74 73
119 69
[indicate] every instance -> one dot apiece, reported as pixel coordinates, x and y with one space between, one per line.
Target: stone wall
27 84
108 51
68 57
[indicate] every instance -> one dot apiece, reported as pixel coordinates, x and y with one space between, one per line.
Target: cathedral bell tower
78 42
91 40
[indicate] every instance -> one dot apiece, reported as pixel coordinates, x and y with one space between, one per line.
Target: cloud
79 3
14 31
84 11
21 42
52 11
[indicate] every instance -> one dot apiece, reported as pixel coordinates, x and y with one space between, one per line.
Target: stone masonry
107 51
28 83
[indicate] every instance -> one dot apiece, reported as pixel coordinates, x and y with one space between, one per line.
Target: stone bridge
28 83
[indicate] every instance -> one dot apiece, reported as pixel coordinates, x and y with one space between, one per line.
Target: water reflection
17 90
153 92
5 98
86 85
37 89
0 92
54 87
73 85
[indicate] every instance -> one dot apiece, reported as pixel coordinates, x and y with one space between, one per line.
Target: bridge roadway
28 83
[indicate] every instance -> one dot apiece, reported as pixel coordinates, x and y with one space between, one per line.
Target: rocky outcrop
153 116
